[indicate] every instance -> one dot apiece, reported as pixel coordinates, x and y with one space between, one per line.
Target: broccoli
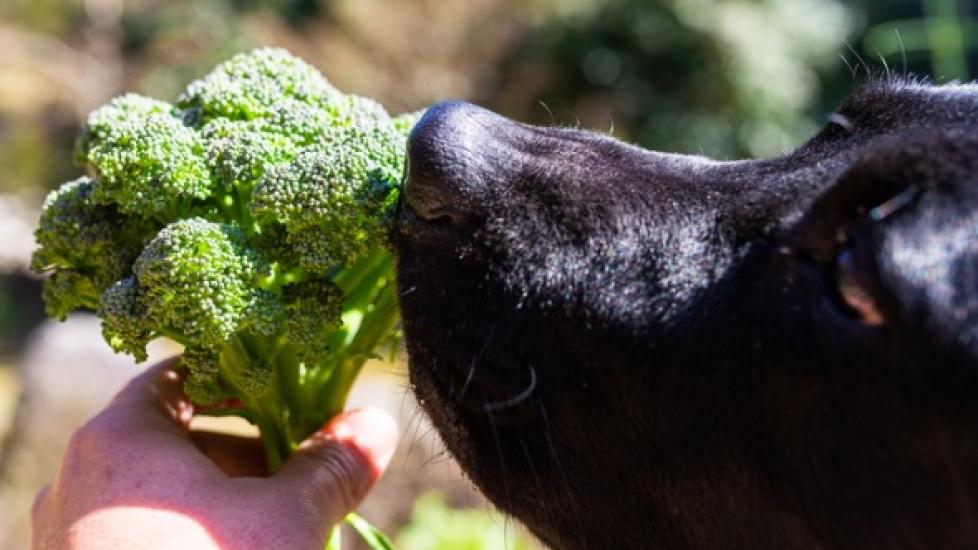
85 246
247 222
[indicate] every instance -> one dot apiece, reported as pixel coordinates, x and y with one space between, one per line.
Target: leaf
374 538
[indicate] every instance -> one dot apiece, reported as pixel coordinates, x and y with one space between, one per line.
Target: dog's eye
837 238
854 281
841 246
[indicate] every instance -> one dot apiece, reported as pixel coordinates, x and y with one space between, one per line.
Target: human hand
135 477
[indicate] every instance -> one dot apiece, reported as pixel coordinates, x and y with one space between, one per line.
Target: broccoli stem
308 396
226 203
301 398
371 296
265 411
88 298
281 276
375 326
287 371
245 218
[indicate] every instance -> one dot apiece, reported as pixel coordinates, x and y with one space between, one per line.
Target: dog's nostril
431 199
449 151
428 207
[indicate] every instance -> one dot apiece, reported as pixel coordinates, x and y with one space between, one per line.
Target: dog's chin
445 392
499 451
442 407
464 366
439 334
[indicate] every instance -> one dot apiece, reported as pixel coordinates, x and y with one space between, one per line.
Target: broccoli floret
241 152
86 246
145 160
251 85
328 202
255 377
229 223
311 309
196 280
123 316
203 382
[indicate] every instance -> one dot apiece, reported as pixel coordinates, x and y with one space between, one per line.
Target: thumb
338 465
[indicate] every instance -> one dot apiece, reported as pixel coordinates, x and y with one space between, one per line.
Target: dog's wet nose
451 158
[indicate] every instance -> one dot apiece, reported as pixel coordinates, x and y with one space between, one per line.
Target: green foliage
246 222
936 37
728 78
436 526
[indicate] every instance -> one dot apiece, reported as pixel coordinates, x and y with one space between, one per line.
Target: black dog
628 349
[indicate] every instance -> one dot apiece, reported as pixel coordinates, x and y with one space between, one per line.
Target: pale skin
135 477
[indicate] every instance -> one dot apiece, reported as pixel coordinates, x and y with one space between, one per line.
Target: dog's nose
452 157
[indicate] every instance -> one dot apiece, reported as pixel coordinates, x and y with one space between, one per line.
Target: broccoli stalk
246 222
300 395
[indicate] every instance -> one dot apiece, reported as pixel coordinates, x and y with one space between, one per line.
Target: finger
38 506
338 465
154 401
235 455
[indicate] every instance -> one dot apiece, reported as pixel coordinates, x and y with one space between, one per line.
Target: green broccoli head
241 152
197 279
146 161
203 382
331 199
85 246
252 85
229 223
197 282
312 308
124 323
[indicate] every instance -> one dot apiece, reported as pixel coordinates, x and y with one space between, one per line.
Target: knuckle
94 438
339 475
83 443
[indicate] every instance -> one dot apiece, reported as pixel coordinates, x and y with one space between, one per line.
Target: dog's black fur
629 349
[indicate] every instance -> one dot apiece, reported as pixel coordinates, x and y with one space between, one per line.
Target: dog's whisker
414 424
537 478
468 379
471 372
434 457
852 69
553 119
561 472
499 454
860 58
903 49
529 461
517 399
886 66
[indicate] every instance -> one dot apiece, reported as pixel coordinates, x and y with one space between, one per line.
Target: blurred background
724 78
